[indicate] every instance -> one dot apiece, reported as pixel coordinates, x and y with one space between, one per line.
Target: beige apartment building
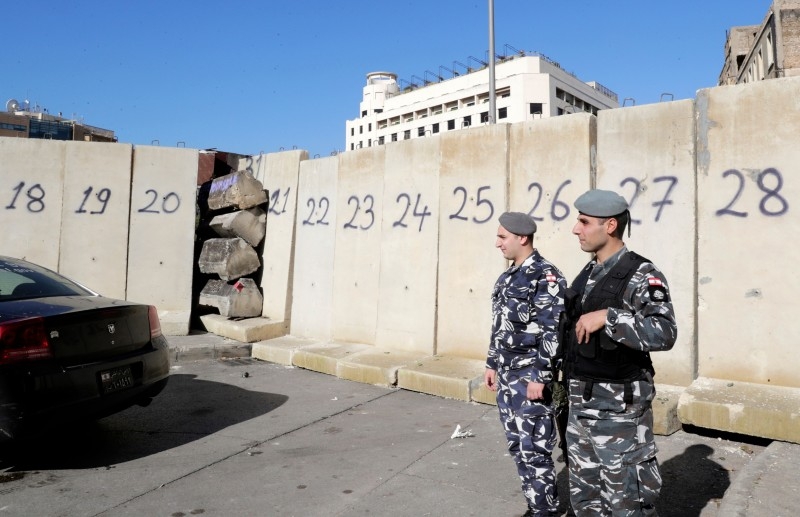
765 51
526 87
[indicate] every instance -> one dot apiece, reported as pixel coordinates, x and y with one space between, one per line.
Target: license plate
116 379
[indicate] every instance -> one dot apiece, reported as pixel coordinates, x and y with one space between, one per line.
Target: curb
740 495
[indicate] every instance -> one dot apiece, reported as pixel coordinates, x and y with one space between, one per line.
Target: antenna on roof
12 105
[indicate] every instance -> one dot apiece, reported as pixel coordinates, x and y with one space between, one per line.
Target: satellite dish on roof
12 105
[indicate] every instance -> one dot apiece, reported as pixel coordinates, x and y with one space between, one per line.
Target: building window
536 108
770 60
406 134
380 140
352 147
352 131
360 130
421 131
364 113
394 137
502 113
451 124
13 127
369 126
435 128
369 143
467 121
484 117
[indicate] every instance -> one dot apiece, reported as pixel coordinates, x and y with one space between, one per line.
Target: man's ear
611 229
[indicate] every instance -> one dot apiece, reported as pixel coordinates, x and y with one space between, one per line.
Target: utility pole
492 92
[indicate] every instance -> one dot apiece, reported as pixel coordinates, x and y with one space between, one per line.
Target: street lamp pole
492 92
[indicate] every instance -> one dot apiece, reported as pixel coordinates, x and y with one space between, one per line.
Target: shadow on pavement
187 410
691 481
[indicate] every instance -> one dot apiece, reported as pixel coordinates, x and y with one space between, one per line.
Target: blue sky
251 77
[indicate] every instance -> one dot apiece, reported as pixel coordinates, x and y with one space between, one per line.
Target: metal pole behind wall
492 93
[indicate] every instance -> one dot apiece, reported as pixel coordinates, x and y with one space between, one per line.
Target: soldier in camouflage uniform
617 311
526 303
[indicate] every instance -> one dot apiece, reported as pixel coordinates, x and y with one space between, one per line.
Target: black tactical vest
602 359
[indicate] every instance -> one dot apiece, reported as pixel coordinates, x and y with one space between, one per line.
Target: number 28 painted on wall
769 182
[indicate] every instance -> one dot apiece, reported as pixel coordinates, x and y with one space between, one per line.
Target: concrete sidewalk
731 476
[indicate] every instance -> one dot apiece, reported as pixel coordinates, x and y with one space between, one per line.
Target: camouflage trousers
612 451
531 434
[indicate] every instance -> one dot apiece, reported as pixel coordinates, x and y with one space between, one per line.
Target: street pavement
236 436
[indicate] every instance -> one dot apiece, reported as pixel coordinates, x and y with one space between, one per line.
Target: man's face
509 243
592 232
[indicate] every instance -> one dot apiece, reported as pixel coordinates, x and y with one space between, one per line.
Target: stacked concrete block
250 225
241 299
232 255
239 189
228 258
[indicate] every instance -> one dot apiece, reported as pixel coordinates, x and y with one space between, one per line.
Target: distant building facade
765 51
526 87
21 122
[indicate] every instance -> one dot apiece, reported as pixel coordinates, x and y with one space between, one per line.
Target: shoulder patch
656 289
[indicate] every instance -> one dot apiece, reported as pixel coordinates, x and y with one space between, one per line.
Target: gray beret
518 223
601 203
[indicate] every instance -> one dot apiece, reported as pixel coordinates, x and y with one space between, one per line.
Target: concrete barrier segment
444 376
742 407
247 330
325 357
379 366
281 349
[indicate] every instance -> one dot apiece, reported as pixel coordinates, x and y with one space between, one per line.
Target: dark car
67 353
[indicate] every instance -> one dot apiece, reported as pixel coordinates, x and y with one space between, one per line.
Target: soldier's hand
535 391
588 323
490 379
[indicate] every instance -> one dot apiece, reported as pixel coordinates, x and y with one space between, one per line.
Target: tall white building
526 87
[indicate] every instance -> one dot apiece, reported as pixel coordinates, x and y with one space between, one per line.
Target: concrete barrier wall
356 269
409 247
95 215
646 153
748 197
31 190
314 249
278 174
473 192
163 207
394 245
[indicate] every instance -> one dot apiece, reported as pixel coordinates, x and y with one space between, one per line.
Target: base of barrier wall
741 407
247 330
280 350
450 377
665 409
174 323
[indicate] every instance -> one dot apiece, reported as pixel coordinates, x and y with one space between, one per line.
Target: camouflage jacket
647 320
526 303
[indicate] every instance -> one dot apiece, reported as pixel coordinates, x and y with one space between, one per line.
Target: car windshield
20 280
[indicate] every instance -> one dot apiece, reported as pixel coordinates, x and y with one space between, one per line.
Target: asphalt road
242 437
